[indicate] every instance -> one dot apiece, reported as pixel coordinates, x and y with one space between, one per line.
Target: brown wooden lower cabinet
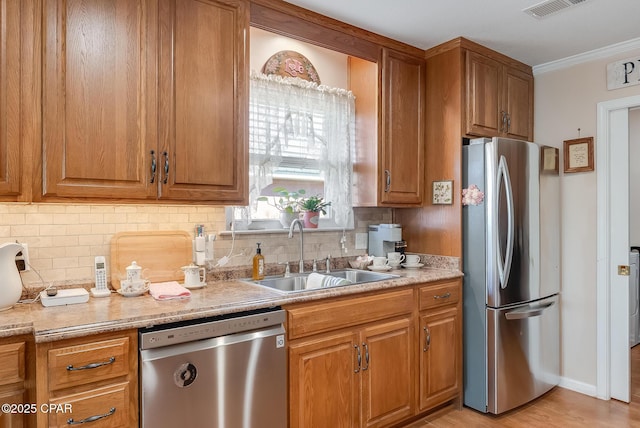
92 379
16 373
439 371
376 371
339 377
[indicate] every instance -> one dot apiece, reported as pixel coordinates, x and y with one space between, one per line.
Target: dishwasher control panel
172 334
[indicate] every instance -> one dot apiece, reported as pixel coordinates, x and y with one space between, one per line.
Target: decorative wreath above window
291 64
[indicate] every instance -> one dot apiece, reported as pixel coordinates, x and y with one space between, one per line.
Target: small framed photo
578 155
550 160
442 192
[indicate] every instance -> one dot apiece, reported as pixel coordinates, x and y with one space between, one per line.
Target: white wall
634 177
565 100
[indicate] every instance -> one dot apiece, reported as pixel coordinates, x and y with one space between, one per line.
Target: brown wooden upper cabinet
10 107
499 99
389 167
145 100
402 146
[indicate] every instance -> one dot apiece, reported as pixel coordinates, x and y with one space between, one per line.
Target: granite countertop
221 297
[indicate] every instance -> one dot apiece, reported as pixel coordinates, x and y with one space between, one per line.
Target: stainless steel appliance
217 372
383 238
512 275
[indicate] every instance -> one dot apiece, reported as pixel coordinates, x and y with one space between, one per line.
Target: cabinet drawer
86 363
103 407
322 317
433 296
12 363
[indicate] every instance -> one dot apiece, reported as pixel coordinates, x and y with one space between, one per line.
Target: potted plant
288 203
312 207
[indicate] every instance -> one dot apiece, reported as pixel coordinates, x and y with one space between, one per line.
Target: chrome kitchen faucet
293 224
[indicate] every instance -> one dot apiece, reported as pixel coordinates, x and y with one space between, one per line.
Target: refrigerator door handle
504 265
529 313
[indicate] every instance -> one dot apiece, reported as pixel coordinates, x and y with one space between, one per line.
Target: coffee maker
385 238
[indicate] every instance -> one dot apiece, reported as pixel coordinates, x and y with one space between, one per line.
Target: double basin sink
298 282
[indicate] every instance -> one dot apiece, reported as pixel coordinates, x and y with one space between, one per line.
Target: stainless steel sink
359 276
298 282
289 284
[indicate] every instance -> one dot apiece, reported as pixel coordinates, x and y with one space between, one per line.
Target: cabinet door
518 102
10 106
98 98
388 386
439 357
324 382
483 80
402 146
203 99
12 383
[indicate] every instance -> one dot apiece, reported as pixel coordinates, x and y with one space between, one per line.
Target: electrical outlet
22 258
361 241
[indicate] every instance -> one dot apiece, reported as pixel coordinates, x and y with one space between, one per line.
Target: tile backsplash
63 239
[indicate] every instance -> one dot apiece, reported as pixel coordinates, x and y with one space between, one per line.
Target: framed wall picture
442 192
578 155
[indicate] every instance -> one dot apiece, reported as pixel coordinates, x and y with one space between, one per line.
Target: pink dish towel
168 290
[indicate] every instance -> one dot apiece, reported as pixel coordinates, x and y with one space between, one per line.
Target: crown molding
595 54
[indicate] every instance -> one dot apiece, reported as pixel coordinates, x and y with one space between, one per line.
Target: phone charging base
100 292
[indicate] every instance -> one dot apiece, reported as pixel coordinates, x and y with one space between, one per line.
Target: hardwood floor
559 408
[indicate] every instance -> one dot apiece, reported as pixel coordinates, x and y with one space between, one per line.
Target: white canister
134 272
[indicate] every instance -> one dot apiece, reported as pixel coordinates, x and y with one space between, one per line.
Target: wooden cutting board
161 254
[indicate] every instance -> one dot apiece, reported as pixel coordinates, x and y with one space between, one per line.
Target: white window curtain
305 127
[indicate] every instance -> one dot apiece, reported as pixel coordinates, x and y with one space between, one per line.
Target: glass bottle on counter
258 265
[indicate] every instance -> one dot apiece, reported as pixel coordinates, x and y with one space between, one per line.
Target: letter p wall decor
623 73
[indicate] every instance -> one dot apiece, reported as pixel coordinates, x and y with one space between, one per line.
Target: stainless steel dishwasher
224 372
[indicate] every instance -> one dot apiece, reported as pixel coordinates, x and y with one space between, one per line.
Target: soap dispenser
258 265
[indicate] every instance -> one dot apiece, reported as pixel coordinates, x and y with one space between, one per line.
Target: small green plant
286 201
314 204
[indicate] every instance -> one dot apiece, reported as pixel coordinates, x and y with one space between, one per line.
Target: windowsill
283 230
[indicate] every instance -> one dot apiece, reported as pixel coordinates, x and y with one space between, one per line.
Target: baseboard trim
581 387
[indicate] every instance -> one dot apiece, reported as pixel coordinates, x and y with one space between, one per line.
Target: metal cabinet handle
427 339
166 167
366 356
508 123
442 296
503 127
387 180
359 357
153 166
92 365
111 411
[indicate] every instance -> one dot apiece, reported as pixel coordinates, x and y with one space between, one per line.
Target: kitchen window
301 136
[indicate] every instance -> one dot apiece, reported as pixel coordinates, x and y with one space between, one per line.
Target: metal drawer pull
366 356
443 296
387 182
92 365
359 359
427 339
111 411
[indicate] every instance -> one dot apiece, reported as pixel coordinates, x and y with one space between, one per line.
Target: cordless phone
100 268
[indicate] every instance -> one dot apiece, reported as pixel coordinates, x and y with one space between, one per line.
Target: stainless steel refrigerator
511 274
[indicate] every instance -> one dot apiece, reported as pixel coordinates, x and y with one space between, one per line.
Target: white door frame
612 148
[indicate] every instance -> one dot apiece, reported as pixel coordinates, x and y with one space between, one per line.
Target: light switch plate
361 241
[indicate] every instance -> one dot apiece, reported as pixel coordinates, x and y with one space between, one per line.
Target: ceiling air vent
549 7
